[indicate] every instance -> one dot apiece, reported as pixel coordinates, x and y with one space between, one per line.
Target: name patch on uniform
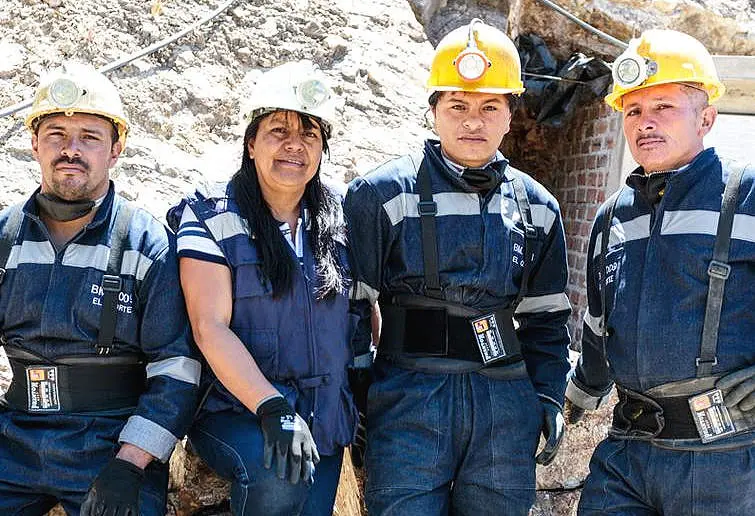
488 338
711 415
42 388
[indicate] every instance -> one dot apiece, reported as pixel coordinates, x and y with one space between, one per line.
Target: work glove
288 440
574 413
115 491
360 379
553 431
739 388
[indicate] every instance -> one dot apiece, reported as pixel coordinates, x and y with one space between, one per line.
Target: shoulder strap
8 236
718 273
605 237
111 280
530 234
427 209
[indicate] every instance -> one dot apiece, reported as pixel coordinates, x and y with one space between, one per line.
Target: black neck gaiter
62 210
482 180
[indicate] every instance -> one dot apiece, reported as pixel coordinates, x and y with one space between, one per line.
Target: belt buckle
42 388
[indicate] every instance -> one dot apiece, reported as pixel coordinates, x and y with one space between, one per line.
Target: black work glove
115 491
574 413
359 446
553 431
287 437
739 388
360 379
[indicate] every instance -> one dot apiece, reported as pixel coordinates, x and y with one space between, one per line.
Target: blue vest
296 339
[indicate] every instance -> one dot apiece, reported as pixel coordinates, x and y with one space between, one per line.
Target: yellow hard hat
662 57
78 88
476 57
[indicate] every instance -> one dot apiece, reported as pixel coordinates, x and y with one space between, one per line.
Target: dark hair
325 220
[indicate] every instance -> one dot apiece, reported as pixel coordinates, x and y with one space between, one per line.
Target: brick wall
589 162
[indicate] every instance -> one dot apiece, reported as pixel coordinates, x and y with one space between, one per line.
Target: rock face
724 26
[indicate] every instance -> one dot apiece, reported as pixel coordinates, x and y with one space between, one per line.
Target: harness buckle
427 208
111 283
530 231
699 361
719 270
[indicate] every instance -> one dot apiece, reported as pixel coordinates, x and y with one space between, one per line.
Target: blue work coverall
656 287
50 306
447 434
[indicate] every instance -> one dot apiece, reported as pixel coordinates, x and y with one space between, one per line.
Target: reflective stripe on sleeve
547 303
184 369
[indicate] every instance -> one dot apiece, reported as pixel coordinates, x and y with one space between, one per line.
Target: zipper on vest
310 342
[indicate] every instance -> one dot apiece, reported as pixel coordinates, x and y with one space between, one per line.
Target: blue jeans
232 444
637 478
46 459
450 444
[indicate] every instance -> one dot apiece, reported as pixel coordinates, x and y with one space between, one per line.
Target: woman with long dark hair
264 271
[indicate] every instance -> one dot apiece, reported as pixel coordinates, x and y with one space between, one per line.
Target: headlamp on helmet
312 93
472 63
631 69
64 92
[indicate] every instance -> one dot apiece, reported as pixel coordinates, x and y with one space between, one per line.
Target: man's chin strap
62 210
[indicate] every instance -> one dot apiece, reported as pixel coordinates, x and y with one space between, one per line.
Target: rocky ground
185 101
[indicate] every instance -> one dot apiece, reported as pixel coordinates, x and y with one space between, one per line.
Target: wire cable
583 24
115 65
552 78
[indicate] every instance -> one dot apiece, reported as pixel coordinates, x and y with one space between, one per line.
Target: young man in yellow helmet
467 258
92 321
670 318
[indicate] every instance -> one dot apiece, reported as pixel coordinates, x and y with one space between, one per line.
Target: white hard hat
296 86
78 88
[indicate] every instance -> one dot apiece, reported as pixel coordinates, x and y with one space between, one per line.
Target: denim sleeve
542 316
165 409
591 380
370 233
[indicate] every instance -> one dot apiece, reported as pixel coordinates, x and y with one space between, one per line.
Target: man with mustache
671 264
92 322
467 258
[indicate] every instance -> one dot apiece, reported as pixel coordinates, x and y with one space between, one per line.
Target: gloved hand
739 388
359 446
287 437
553 431
574 413
115 491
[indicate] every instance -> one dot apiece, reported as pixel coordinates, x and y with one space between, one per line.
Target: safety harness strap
111 280
606 235
427 209
718 273
8 236
530 235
